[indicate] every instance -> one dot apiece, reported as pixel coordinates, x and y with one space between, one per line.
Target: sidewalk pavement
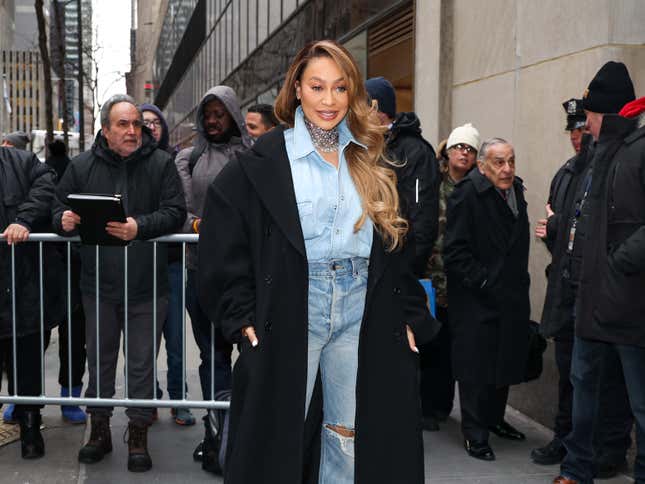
171 447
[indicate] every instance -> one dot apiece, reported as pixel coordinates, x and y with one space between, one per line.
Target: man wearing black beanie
610 308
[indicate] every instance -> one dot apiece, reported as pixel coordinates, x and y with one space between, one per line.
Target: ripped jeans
337 291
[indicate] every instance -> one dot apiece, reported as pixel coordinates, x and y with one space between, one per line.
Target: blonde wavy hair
370 169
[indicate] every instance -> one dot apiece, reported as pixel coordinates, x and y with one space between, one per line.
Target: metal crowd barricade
43 399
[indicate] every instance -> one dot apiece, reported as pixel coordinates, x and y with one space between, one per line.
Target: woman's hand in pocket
249 332
411 341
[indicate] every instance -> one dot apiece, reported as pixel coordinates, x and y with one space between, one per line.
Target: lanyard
578 213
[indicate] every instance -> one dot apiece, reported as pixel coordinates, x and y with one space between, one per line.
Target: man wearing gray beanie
17 139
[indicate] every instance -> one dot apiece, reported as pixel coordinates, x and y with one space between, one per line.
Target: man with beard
124 160
221 134
260 119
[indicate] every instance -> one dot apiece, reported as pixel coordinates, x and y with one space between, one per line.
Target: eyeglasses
149 123
463 147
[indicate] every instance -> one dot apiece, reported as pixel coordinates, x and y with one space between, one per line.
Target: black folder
96 210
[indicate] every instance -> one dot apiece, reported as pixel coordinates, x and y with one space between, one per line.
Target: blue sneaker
72 413
7 415
183 416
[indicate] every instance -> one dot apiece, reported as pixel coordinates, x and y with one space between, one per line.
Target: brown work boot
138 457
100 442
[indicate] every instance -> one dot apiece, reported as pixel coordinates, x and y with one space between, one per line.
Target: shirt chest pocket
310 228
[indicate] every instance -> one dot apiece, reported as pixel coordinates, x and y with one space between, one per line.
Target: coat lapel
268 169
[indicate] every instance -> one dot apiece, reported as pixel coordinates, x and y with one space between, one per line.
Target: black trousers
28 367
614 419
437 385
77 344
482 406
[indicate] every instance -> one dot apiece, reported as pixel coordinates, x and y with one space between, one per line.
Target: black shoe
479 450
138 457
507 431
608 470
31 440
430 424
198 453
100 442
552 453
211 446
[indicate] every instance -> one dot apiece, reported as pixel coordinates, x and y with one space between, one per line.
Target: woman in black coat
268 269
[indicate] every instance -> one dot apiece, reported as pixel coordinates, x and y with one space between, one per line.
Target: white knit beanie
467 134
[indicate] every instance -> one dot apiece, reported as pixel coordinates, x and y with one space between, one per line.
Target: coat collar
267 167
615 126
482 184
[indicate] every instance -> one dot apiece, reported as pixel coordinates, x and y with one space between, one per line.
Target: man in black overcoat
486 258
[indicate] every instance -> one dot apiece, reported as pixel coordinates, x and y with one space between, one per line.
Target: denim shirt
328 203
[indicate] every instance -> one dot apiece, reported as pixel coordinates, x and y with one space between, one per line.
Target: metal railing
43 399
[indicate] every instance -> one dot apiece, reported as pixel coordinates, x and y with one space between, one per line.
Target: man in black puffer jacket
124 160
418 175
26 192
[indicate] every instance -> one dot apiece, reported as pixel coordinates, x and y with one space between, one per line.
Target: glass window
357 46
263 20
235 32
275 14
253 24
219 56
288 6
244 24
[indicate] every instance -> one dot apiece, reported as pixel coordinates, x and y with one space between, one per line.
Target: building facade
504 65
71 52
248 44
23 79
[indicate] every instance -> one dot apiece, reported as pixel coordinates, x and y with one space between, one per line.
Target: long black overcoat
486 256
253 270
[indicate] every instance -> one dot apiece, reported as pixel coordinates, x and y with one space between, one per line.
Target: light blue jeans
337 291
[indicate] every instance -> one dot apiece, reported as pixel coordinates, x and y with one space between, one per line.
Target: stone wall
512 63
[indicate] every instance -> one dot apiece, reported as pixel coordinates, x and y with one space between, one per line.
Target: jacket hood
232 104
406 123
101 149
165 135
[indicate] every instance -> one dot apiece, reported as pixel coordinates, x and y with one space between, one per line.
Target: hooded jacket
420 203
151 192
164 141
197 176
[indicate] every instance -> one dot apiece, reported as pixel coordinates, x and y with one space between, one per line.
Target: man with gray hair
17 139
124 160
486 252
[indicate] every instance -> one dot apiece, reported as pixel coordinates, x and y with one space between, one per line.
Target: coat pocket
620 297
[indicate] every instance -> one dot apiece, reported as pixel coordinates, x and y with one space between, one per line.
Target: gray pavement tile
171 447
